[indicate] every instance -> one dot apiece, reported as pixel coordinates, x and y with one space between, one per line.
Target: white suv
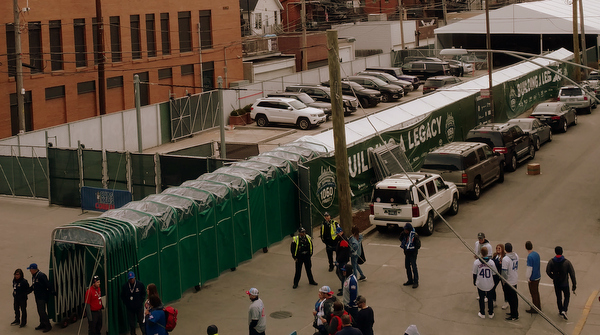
285 110
396 201
575 97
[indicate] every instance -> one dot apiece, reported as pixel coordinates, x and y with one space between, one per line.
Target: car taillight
251 108
372 209
465 178
558 99
584 98
415 211
501 150
555 118
531 117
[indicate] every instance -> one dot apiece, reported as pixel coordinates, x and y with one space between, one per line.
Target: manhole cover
281 315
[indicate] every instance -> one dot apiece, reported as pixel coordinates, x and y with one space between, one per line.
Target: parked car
388 78
285 110
322 93
366 96
538 131
433 83
426 69
479 63
575 97
594 75
455 69
396 72
463 67
557 115
471 166
412 198
306 99
389 92
509 140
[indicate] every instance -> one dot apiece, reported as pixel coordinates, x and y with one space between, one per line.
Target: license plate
390 211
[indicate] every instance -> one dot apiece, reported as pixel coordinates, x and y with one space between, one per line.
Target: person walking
342 256
93 307
480 243
559 269
156 320
350 290
133 294
510 267
40 286
533 276
497 258
257 320
365 318
150 290
302 250
356 252
20 292
329 237
410 242
484 281
347 328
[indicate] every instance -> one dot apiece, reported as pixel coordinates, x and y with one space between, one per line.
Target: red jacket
93 298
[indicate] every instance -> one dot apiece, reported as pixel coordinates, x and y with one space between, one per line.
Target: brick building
159 40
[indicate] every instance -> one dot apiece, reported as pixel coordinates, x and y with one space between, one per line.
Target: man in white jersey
257 321
510 266
484 280
480 243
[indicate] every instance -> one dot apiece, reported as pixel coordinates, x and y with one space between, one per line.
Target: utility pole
488 42
138 111
304 53
339 132
223 150
401 10
583 46
100 56
19 68
576 42
445 12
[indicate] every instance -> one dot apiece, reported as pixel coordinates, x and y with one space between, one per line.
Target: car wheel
382 229
476 193
454 206
575 120
550 136
385 98
364 102
589 109
538 143
511 165
564 125
303 123
428 227
501 176
262 120
531 152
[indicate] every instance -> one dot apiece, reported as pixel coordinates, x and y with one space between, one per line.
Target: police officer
328 236
302 249
133 295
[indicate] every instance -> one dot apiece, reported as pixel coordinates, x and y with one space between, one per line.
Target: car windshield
450 162
525 125
305 98
392 196
434 83
355 86
570 92
547 109
297 104
378 81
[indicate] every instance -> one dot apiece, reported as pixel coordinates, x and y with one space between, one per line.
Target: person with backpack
559 269
336 324
410 242
156 319
356 252
342 256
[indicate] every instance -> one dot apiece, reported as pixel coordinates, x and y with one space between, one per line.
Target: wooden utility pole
576 42
583 46
19 68
445 12
401 10
339 132
304 53
100 56
488 42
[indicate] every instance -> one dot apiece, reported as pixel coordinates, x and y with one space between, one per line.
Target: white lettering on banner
531 83
424 132
356 164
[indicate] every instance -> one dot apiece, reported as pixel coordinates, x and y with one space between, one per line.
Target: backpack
171 316
339 320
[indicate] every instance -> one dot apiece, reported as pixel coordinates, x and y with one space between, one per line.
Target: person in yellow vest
329 237
302 250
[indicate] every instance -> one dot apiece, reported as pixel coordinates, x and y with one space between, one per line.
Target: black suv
366 96
507 139
322 93
389 92
426 69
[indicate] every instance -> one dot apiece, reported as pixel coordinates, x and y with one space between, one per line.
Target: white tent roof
411 112
538 17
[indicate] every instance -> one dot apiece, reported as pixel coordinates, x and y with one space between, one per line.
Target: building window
114 82
208 76
55 92
275 18
136 48
95 40
258 20
165 73
86 87
185 31
205 29
115 39
80 48
14 112
10 50
187 69
165 35
36 60
56 52
151 35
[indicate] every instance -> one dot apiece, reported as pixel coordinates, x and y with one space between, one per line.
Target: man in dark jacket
20 292
410 242
329 237
365 318
302 250
133 295
560 269
42 291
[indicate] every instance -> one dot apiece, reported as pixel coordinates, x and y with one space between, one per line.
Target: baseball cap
481 235
252 291
301 230
338 230
130 275
32 266
95 279
325 289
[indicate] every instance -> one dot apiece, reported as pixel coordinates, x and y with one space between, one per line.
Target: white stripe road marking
390 245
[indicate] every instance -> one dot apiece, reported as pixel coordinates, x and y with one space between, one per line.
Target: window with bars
114 82
185 31
258 20
165 73
56 50
10 50
115 39
55 92
136 48
165 36
187 69
86 87
79 40
36 59
205 29
150 35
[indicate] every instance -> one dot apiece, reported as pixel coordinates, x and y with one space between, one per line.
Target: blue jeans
355 266
410 263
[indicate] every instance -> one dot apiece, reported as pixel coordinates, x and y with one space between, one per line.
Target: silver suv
575 97
285 110
471 166
412 198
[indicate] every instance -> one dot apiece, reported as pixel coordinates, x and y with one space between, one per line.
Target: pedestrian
347 328
40 286
533 276
410 242
342 256
133 294
356 252
350 290
336 318
482 242
20 292
150 290
257 320
365 318
212 330
156 320
559 269
93 307
484 281
329 237
302 250
510 267
319 312
497 258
